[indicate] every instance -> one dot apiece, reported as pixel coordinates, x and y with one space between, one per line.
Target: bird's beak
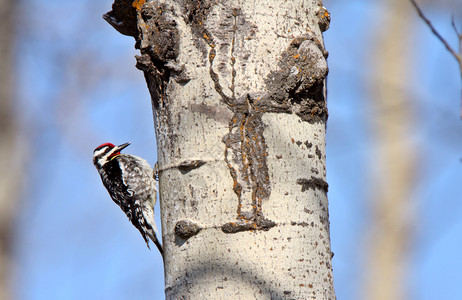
121 147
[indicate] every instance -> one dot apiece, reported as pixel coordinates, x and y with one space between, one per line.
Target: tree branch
435 32
459 34
458 56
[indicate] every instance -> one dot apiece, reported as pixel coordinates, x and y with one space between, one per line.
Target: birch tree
239 104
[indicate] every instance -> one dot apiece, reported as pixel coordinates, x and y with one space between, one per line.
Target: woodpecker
132 184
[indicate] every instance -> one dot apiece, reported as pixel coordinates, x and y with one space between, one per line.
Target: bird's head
105 152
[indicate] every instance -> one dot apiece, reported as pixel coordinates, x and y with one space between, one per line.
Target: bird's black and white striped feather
131 184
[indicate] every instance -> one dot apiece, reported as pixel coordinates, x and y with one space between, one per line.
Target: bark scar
233 59
245 147
313 183
245 155
186 229
185 166
189 165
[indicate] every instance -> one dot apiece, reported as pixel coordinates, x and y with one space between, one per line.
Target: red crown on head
106 144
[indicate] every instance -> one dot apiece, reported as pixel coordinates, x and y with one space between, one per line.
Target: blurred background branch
394 159
456 55
12 147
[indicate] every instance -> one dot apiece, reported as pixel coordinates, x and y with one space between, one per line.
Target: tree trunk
12 159
238 94
390 231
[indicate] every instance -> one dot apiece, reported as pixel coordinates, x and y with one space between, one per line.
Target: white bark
238 95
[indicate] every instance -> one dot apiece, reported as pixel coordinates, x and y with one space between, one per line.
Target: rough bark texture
390 232
238 92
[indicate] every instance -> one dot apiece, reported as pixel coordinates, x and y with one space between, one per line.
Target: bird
132 185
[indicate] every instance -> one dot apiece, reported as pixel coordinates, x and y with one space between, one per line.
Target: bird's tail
156 242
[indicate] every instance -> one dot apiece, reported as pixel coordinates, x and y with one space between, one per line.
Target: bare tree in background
394 164
11 162
238 96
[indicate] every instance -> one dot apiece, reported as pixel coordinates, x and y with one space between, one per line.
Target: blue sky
82 89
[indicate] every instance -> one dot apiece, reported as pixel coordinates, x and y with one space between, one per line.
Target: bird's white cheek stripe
99 152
